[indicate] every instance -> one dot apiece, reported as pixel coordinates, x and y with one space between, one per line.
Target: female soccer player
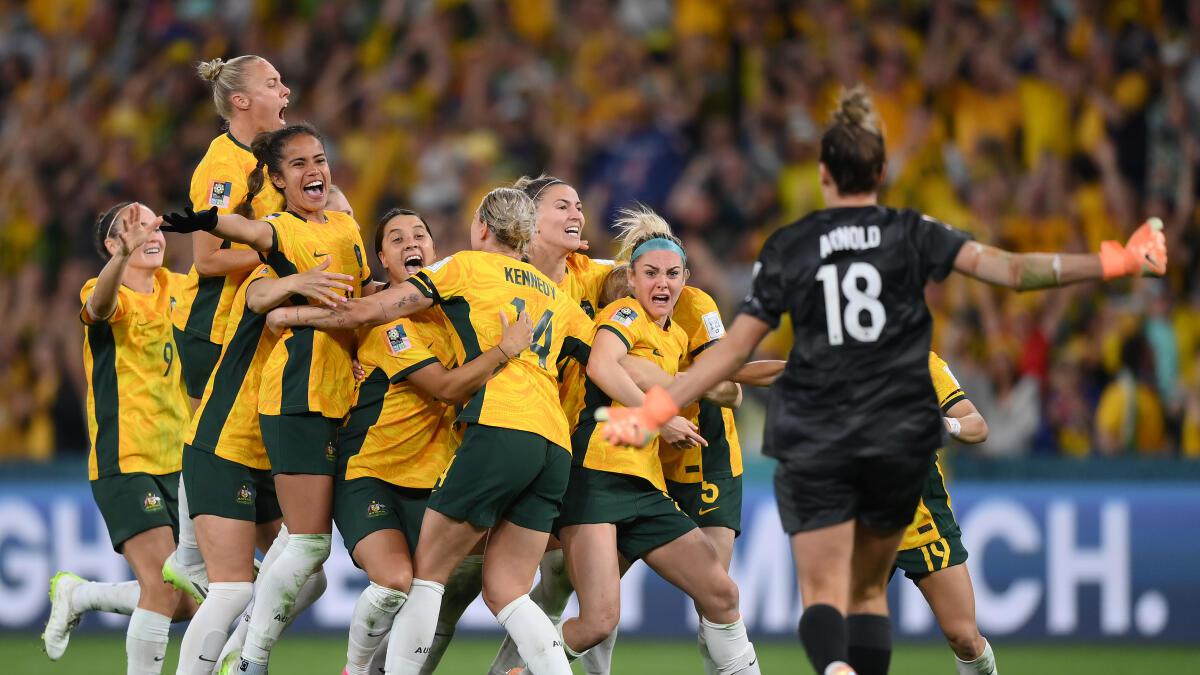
555 253
250 96
931 552
616 501
277 429
399 434
136 411
853 419
510 471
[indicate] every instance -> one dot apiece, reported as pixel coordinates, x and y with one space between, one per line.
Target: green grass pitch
323 655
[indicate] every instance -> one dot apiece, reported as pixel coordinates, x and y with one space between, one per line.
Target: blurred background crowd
1035 126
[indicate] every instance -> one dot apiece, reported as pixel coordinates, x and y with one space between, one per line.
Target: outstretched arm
211 260
1144 255
130 233
646 374
759 373
393 303
257 234
720 361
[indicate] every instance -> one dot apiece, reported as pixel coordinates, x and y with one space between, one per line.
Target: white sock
412 630
372 621
379 658
309 593
95 596
462 588
710 666
277 592
598 659
985 663
550 594
729 647
146 642
572 655
205 636
537 639
187 551
238 637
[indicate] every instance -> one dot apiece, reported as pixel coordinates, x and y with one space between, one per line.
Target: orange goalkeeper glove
636 426
1144 255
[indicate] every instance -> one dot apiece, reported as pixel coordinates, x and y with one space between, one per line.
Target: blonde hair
638 225
226 78
616 285
510 214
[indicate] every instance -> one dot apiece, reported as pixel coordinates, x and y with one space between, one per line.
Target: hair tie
658 244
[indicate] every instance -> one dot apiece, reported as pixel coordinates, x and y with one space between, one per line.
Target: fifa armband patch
218 196
625 316
713 325
397 339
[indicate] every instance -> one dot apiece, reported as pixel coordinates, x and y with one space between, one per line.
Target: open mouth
572 231
413 264
661 299
152 250
283 110
314 189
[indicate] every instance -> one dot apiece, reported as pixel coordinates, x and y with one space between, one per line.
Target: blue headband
658 244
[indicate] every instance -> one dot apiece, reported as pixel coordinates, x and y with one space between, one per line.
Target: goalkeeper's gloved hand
1145 254
636 426
190 221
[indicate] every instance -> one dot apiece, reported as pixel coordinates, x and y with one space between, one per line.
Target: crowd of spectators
1033 125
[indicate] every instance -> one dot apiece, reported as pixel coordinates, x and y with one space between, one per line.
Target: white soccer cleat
839 668
191 579
63 618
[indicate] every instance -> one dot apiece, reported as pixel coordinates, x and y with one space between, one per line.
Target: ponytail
254 185
638 226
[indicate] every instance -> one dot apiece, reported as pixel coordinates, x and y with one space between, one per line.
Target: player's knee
395 577
160 596
312 548
720 599
598 624
867 592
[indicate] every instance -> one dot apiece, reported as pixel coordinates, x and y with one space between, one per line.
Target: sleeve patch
218 196
625 316
397 339
713 325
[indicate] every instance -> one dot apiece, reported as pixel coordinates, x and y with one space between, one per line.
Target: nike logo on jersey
708 510
656 352
319 255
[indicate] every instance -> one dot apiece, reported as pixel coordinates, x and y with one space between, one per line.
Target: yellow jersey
665 347
136 405
473 287
395 432
697 314
933 514
584 282
220 180
309 370
226 423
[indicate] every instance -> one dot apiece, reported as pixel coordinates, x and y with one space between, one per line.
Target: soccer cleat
839 668
1145 254
63 619
515 671
191 579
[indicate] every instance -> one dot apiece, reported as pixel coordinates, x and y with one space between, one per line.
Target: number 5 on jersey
859 300
543 332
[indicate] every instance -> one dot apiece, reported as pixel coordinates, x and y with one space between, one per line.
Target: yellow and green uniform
584 282
224 456
219 180
513 462
932 541
397 439
620 485
136 407
705 481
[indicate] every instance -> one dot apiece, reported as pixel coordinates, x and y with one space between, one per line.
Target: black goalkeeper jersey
857 379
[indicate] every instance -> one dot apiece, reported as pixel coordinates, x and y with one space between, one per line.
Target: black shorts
132 503
221 487
198 357
878 491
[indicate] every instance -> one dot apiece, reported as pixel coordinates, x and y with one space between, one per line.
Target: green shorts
301 443
711 503
366 505
503 474
132 503
645 517
197 357
922 561
220 487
